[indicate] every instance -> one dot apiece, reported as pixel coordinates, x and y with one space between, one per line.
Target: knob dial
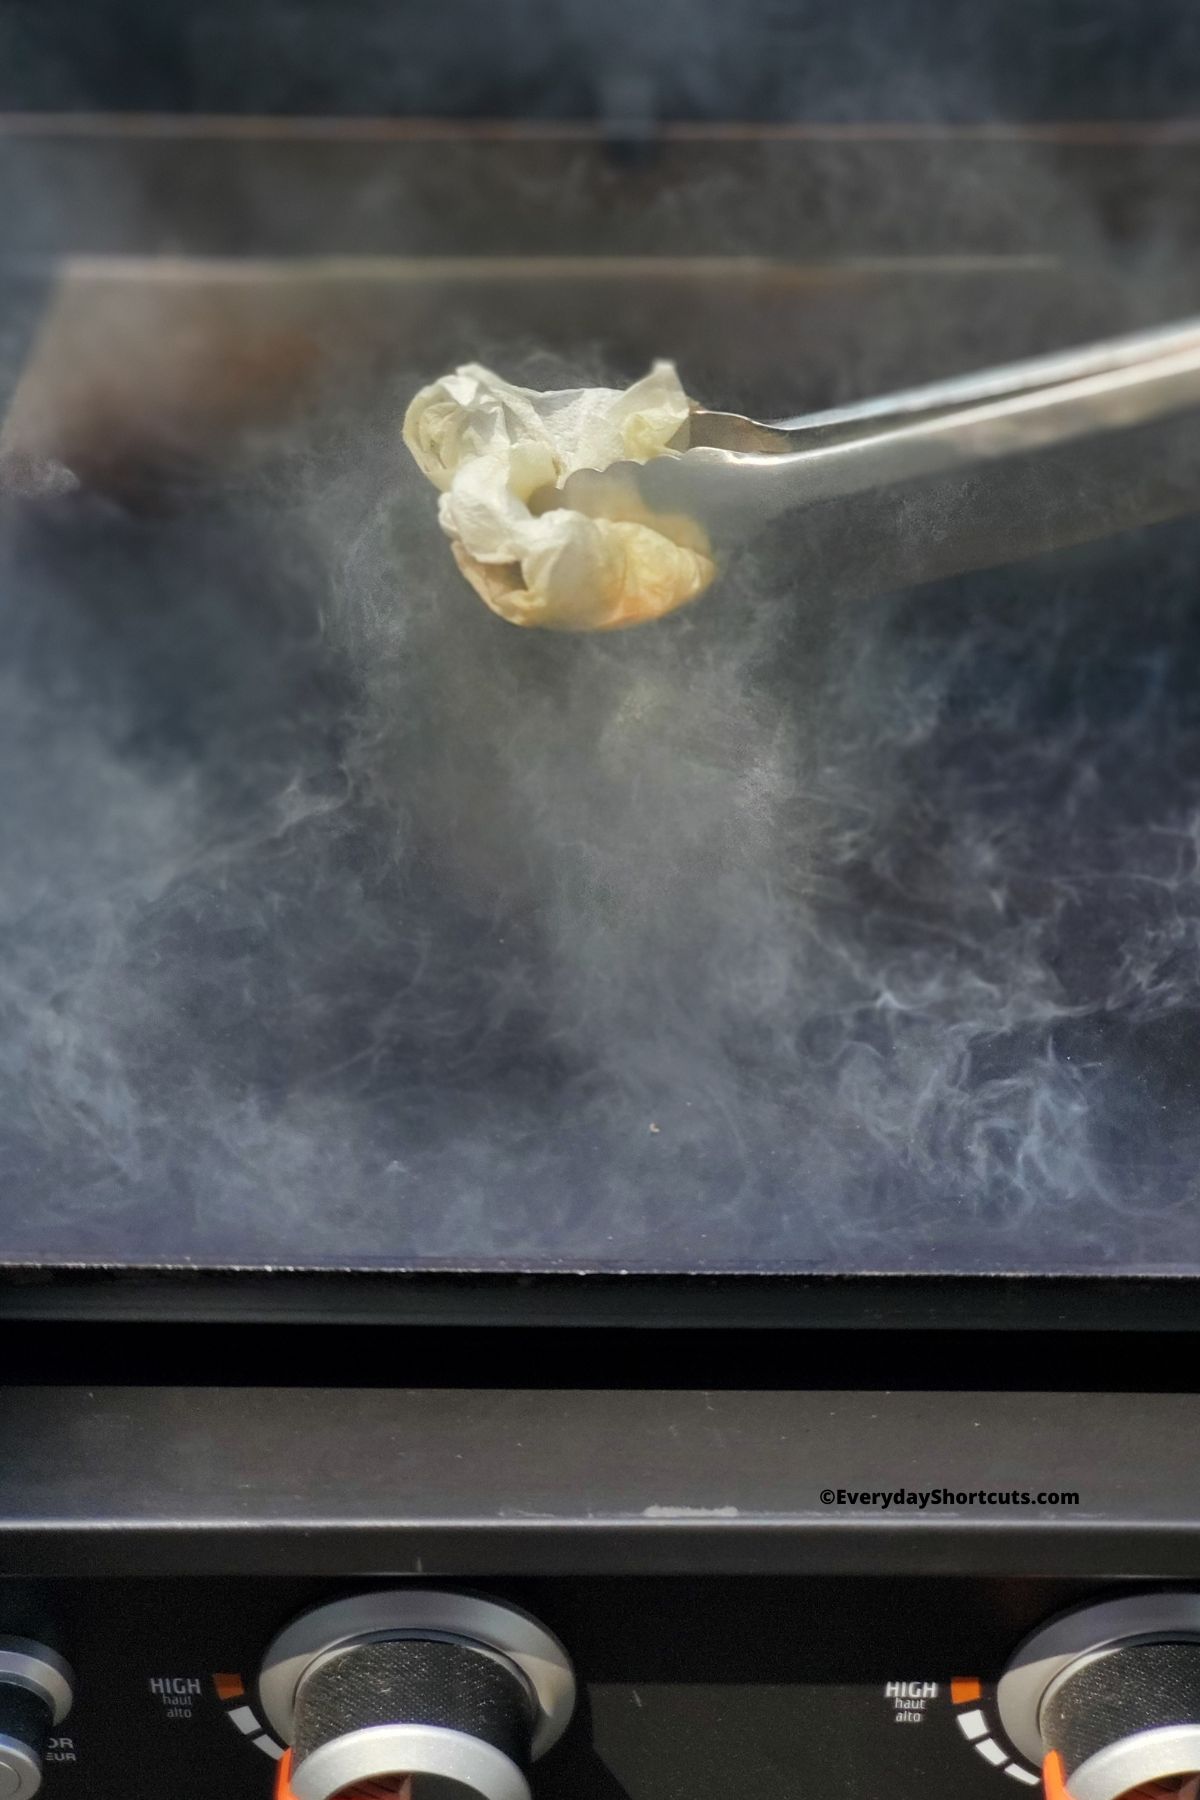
36 1689
456 1692
412 1706
1108 1698
1125 1717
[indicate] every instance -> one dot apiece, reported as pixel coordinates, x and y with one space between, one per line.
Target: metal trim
31 1665
25 1763
1063 1302
452 1482
381 1750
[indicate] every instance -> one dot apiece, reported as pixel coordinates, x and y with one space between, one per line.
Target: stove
604 1217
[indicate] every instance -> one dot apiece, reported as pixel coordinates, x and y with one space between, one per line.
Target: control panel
598 1688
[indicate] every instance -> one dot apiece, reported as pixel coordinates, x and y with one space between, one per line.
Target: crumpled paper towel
490 447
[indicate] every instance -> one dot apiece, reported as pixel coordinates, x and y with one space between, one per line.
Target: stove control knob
412 1706
36 1690
451 1688
1107 1698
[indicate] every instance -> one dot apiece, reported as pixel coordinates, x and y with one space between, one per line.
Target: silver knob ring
37 1670
29 1665
20 1769
1064 1642
489 1625
378 1751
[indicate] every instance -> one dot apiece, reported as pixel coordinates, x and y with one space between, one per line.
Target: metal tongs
739 475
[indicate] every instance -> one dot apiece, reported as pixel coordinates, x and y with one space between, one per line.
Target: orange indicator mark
1053 1779
229 1687
964 1688
283 1777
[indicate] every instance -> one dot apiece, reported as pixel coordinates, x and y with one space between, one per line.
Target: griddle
820 948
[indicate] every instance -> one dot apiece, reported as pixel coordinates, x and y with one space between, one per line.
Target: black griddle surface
342 925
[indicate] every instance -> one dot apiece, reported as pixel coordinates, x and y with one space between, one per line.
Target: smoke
340 922
344 922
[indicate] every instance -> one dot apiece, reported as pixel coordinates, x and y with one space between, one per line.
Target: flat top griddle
346 926
343 927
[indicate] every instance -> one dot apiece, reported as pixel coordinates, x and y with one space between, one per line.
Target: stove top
346 926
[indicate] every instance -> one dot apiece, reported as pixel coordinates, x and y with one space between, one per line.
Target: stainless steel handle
1030 418
964 474
1050 369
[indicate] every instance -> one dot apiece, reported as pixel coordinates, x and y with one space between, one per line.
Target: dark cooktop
341 924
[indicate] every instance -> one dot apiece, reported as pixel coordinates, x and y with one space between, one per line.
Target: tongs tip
710 430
